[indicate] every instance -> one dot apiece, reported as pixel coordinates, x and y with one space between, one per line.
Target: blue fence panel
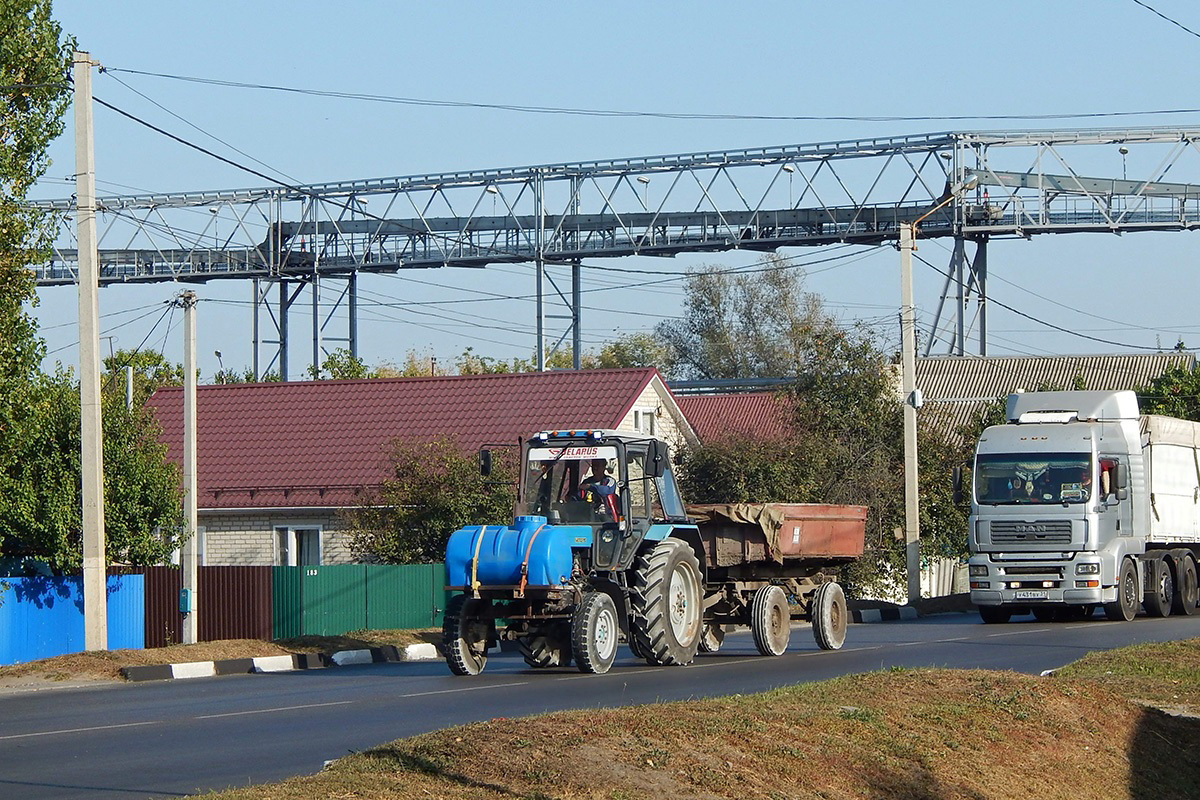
43 617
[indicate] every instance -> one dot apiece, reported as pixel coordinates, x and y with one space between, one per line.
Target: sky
924 59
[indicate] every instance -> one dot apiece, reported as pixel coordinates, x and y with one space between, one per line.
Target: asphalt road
175 738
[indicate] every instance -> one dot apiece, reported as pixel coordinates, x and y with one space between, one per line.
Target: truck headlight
978 570
1087 569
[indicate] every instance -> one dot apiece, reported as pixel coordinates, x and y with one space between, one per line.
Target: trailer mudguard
492 555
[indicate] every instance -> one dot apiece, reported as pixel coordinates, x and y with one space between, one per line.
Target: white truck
1079 502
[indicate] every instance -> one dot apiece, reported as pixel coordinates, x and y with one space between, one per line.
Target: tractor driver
599 481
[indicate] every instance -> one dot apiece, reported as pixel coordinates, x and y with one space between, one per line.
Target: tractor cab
617 484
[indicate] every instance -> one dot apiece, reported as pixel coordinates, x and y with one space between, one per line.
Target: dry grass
906 734
106 665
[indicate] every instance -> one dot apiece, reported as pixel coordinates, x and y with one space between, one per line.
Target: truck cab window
1037 478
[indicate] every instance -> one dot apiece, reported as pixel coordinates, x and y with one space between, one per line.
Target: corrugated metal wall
233 603
43 617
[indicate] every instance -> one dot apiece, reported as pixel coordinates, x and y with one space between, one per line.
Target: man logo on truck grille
1029 528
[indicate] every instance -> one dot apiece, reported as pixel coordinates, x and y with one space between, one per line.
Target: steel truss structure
287 239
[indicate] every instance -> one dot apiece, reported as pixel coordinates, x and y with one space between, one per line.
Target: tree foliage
1175 393
740 325
151 370
40 514
435 489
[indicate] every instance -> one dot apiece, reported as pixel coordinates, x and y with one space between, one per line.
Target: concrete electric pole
95 562
189 601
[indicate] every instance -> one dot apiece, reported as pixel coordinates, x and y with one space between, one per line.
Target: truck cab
1056 501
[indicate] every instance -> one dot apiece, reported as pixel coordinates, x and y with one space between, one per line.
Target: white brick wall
248 539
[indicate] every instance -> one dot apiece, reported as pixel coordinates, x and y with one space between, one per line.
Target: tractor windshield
570 484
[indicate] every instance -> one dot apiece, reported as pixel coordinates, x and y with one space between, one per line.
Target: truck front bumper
1037 582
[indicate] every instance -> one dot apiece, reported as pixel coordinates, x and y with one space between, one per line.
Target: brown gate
233 603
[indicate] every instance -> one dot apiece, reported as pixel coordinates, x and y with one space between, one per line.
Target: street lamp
645 182
1124 151
908 385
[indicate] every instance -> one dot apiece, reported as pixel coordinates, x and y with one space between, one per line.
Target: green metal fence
327 601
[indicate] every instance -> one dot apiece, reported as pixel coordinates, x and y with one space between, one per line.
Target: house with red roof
276 462
753 414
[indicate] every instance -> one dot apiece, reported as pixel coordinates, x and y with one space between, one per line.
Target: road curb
892 614
285 663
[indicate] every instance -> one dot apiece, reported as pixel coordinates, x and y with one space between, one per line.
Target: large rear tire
829 616
465 633
665 603
1187 590
594 633
770 620
1124 608
1157 600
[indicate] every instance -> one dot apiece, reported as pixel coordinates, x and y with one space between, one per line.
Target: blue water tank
503 548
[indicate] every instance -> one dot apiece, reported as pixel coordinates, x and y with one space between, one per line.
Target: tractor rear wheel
665 603
465 632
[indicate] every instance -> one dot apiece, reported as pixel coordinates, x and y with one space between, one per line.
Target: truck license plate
1032 595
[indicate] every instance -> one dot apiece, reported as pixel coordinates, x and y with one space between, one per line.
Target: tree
1175 393
41 515
151 370
634 350
434 490
742 325
342 365
34 60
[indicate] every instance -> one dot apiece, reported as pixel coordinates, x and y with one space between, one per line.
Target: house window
297 547
201 538
644 420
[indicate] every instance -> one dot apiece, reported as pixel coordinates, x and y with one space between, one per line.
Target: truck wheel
995 615
770 620
1187 589
545 650
1124 608
465 635
594 633
1157 600
665 603
829 616
711 638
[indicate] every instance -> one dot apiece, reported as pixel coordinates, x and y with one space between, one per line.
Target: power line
597 112
994 301
1158 13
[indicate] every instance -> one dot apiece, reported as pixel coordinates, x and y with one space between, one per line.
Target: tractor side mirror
657 457
485 462
956 477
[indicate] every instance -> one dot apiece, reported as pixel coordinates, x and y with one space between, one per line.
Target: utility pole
908 387
95 562
189 601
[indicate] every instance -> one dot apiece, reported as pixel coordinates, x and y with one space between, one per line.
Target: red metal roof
317 444
749 413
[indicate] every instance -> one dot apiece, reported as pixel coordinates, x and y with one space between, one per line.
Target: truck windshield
1023 478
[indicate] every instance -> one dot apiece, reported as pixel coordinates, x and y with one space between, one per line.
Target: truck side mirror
485 462
1120 481
657 456
956 477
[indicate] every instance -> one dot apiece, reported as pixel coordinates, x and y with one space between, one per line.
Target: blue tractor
600 551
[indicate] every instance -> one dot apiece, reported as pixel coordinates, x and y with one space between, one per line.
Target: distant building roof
956 389
317 444
752 413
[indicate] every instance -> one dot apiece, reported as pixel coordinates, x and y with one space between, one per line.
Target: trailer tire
545 650
594 633
665 603
829 616
465 635
712 638
1124 608
1187 587
995 615
1157 600
770 620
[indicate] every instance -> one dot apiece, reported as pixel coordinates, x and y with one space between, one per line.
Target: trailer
594 560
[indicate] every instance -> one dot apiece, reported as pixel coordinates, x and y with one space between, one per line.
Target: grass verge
922 734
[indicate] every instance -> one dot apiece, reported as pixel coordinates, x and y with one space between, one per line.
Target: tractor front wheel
465 631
